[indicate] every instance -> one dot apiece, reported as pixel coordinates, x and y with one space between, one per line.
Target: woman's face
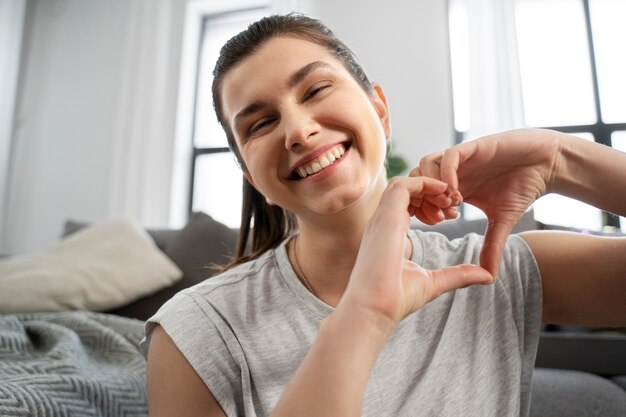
312 139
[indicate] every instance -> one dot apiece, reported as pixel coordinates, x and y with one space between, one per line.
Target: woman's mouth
321 162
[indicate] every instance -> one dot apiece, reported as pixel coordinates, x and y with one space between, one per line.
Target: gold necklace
300 273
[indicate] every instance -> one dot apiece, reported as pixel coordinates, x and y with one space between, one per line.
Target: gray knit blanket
71 364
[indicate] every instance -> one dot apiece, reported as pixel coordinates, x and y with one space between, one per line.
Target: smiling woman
331 303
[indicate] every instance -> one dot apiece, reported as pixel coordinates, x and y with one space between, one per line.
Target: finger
451 213
433 213
428 215
495 239
448 213
460 276
415 172
440 200
429 166
423 186
396 199
416 202
449 168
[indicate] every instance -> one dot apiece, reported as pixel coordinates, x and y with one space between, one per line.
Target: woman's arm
174 387
589 172
583 277
503 174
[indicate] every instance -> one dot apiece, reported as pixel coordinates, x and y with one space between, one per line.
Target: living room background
95 124
102 121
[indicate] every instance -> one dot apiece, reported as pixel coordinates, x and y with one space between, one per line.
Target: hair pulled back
272 224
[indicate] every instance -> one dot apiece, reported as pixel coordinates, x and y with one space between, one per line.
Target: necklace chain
299 272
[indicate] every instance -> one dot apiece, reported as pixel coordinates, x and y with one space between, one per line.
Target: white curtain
12 14
144 139
490 54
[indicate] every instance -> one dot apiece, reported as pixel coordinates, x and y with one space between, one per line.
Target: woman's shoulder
241 277
214 299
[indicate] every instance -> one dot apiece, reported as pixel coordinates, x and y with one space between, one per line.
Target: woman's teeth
322 161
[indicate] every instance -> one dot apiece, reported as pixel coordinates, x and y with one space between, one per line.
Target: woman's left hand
502 175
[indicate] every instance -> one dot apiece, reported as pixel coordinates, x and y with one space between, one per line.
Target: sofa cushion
558 392
453 229
109 264
160 236
201 243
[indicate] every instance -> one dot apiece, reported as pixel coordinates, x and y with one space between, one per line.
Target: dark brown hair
272 224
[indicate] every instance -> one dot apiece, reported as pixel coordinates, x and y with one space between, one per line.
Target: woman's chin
338 201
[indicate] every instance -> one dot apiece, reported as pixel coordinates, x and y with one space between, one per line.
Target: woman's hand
383 281
502 175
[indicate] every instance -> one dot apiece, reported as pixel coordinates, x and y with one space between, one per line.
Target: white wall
66 104
12 14
89 72
97 92
403 45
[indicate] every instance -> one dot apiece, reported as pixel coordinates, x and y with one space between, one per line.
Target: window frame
600 130
186 153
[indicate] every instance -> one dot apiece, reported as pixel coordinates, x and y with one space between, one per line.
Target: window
215 178
555 64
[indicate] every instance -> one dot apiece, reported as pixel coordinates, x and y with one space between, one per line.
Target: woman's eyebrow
246 111
301 74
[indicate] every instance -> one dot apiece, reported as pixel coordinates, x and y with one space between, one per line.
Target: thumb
459 276
496 235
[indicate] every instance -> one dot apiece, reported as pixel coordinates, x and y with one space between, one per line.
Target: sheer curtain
12 14
485 68
145 129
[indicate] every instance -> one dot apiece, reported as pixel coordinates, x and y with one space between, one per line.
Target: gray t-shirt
470 352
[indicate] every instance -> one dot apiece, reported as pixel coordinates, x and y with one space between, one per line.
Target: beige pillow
107 265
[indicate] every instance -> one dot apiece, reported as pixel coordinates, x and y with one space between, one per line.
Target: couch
579 372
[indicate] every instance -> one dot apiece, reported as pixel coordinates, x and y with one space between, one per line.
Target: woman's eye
259 125
314 91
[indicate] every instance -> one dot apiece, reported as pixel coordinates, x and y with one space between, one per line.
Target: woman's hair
272 224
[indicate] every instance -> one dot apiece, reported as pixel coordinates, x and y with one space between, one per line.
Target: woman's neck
326 259
326 247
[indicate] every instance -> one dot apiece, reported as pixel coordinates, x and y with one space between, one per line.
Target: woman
337 310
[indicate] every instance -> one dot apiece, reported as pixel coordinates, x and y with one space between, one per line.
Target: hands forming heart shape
502 176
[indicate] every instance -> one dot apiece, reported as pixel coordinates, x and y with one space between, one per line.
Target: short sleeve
206 342
519 275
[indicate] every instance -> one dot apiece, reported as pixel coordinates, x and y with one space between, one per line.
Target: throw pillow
100 267
161 237
201 243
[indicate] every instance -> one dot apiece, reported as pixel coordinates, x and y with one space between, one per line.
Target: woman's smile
319 161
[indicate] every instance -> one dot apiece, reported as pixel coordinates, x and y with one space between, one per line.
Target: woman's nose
300 128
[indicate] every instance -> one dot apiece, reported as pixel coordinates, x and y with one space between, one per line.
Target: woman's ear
382 108
251 181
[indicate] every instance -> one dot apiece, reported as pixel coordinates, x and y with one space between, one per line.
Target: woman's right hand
383 281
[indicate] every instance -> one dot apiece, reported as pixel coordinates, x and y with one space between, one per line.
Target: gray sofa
579 372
